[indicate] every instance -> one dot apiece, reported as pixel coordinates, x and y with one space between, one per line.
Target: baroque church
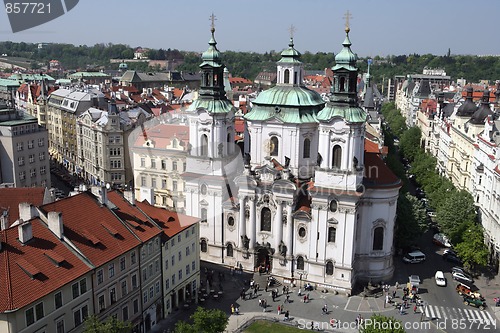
306 199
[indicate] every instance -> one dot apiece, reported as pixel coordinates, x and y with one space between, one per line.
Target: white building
24 157
311 203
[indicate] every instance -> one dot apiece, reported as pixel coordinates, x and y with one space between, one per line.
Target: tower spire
347 17
212 24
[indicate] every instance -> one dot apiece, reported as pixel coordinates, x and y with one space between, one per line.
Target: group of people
263 304
235 310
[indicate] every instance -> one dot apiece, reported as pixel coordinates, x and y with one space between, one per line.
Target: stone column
289 228
253 224
242 222
278 225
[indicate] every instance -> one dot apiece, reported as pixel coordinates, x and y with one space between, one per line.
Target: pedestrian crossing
448 313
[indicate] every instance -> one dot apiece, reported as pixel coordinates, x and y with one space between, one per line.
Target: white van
414 257
440 279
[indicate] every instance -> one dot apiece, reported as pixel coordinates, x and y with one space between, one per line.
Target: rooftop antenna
347 17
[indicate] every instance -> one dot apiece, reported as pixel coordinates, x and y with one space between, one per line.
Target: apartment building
32 99
91 253
24 158
159 159
103 144
64 106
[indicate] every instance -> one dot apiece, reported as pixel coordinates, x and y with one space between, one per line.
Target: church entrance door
263 261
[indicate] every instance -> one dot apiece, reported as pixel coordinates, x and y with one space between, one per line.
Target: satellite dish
108 186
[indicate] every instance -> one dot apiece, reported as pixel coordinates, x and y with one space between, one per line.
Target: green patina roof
290 55
289 96
346 58
351 113
212 106
211 57
290 104
31 77
9 83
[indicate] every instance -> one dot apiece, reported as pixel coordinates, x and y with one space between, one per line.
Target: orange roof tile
371 147
239 80
22 262
10 198
82 217
378 174
171 222
143 227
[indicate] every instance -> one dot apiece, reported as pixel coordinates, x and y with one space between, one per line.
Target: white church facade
307 200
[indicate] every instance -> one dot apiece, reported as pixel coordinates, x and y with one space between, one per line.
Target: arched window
332 234
342 84
203 245
229 250
329 268
204 145
174 143
203 215
378 239
274 146
336 157
265 219
295 76
230 221
300 263
307 148
287 76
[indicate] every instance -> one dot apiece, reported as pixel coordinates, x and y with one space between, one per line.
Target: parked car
441 240
452 258
463 289
462 276
414 257
459 270
478 302
440 279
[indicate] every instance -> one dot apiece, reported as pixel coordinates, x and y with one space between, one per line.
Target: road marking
444 313
469 317
486 320
429 312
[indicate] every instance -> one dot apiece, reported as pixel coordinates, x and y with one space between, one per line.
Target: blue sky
378 27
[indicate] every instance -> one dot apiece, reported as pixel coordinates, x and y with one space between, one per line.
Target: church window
307 148
329 268
378 238
342 84
204 145
287 76
229 250
333 206
203 189
203 245
300 262
230 221
295 78
332 234
265 219
274 146
203 215
337 157
302 232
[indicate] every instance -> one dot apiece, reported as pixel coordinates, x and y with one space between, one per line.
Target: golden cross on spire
212 25
291 30
347 17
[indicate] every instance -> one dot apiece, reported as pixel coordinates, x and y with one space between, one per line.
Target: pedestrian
415 308
394 294
287 300
312 325
397 285
305 298
260 302
279 310
401 309
267 284
255 292
264 305
300 292
287 316
284 290
237 310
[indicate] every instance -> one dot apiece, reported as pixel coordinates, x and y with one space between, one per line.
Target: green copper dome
211 57
290 55
346 58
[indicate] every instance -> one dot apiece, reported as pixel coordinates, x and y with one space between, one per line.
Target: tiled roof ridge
8 280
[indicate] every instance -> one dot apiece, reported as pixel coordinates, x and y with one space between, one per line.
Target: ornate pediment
265 246
266 174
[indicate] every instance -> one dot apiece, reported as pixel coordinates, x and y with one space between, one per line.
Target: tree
455 213
409 218
381 324
204 320
112 325
410 143
472 249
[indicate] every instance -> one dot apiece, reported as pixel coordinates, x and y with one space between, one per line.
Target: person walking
287 300
237 310
401 309
287 316
415 308
279 310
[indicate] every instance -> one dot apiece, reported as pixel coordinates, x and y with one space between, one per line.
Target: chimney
56 223
25 231
27 211
101 193
130 196
4 220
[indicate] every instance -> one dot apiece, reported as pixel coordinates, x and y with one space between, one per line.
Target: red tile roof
10 198
239 125
163 134
239 80
171 222
497 169
141 224
35 258
371 147
378 174
83 219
